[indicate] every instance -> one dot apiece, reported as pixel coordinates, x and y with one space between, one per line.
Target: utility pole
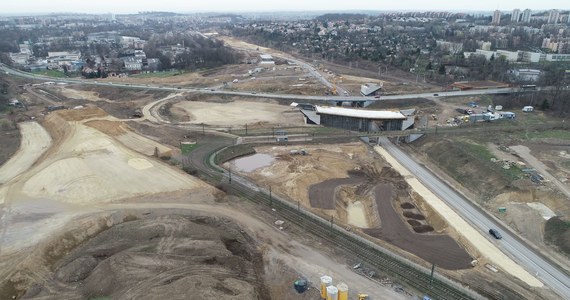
270 198
203 130
230 174
245 128
431 276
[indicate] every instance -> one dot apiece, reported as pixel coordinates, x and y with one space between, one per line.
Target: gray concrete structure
359 119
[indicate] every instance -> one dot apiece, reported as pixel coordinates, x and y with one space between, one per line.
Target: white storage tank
326 281
332 293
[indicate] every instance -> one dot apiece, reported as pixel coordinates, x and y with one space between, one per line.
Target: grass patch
557 232
483 154
157 74
478 151
555 134
187 148
51 73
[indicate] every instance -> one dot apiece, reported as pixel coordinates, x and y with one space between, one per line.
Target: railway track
367 252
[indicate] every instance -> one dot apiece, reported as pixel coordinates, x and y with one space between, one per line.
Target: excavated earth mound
164 257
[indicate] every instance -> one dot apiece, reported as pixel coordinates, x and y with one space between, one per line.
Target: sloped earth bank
158 257
439 249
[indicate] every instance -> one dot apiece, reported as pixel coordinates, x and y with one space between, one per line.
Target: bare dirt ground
469 237
171 256
352 83
333 178
239 113
65 235
439 249
35 140
91 168
10 140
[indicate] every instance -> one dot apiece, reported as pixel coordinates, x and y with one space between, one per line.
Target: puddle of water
250 163
356 215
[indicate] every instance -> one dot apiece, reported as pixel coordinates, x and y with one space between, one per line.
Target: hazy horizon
34 7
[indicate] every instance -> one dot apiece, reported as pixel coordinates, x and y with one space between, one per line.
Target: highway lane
546 271
94 82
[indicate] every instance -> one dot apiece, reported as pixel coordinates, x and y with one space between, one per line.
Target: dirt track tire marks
439 249
322 195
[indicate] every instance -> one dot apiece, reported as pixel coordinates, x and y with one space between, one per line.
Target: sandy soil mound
239 113
81 114
93 167
165 257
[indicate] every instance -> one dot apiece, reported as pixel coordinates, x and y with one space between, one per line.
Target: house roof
360 113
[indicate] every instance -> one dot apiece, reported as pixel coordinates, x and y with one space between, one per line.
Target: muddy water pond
356 215
253 162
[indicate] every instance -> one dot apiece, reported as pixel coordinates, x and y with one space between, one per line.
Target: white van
527 109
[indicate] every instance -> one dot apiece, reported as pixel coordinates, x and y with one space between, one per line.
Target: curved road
94 82
548 272
535 263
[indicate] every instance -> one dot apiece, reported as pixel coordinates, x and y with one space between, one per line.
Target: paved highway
536 264
298 98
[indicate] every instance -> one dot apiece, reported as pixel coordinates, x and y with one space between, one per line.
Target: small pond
250 163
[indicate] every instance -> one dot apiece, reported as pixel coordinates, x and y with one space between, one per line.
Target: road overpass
329 99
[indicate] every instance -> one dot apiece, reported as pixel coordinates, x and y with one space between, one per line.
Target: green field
51 73
557 232
187 148
555 134
157 74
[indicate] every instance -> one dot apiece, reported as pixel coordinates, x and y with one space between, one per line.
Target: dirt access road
438 249
524 152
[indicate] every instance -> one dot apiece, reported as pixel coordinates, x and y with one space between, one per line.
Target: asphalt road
558 280
536 264
298 98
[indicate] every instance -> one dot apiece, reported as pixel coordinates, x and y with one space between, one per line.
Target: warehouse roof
360 113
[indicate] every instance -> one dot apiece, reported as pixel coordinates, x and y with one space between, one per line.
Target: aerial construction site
220 184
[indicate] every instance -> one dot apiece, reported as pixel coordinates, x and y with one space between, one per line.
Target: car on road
435 95
495 233
254 93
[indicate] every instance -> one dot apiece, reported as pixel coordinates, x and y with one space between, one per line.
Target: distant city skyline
24 7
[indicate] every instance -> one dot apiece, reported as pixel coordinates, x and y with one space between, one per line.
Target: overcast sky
134 6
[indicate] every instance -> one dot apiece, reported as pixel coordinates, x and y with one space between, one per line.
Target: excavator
362 296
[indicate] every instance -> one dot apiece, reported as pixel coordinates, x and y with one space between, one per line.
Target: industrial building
355 119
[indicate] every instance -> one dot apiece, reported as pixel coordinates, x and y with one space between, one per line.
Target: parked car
495 233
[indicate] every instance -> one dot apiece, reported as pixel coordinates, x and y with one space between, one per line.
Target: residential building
19 58
516 15
532 57
558 57
496 18
527 13
64 55
486 46
508 55
553 16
